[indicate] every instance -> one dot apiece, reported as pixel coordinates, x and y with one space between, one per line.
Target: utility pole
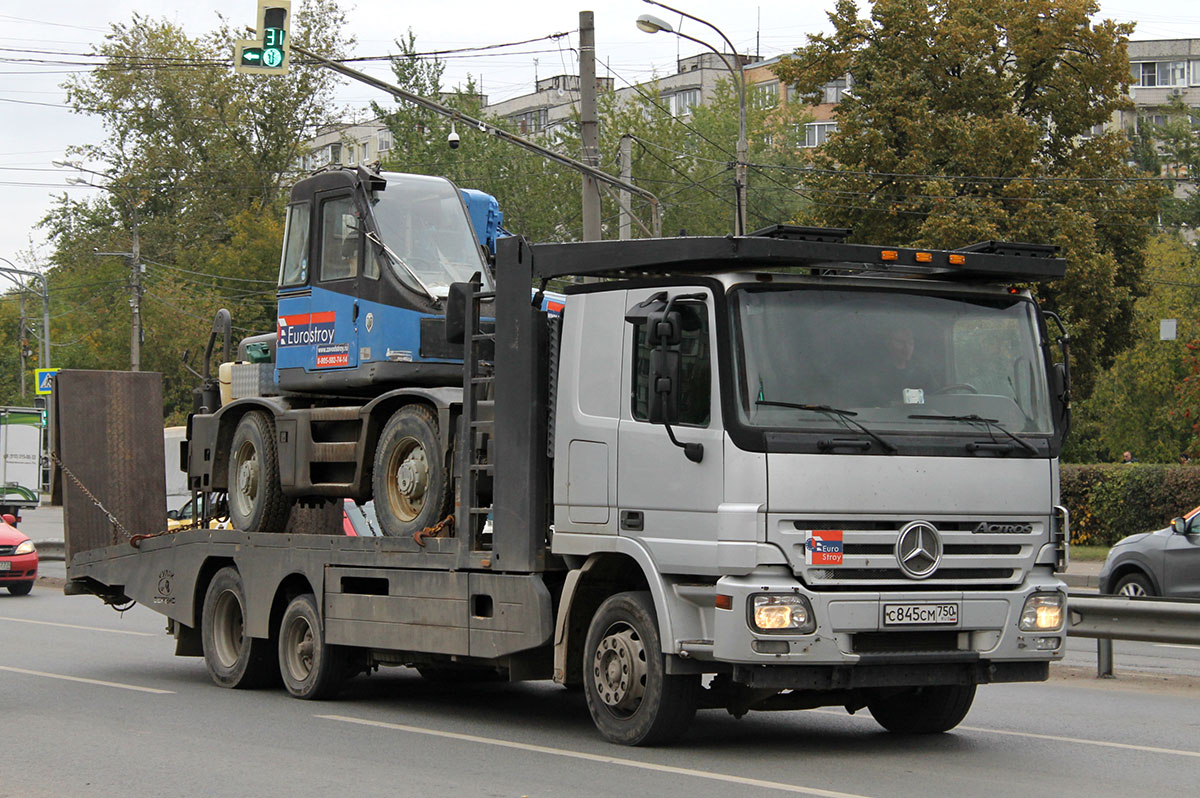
626 156
23 343
588 127
135 300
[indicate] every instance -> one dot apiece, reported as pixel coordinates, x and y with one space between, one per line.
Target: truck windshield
424 224
892 361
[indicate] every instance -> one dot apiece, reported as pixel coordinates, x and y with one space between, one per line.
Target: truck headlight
25 547
783 614
1042 613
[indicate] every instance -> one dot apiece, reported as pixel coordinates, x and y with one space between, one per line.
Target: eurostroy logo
823 547
306 329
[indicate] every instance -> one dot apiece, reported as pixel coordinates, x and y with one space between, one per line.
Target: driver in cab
898 377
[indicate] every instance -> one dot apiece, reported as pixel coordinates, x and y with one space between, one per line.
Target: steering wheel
958 387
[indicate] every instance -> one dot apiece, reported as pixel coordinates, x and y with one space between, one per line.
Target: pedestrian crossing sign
44 384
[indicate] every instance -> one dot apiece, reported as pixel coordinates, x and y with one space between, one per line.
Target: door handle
355 317
631 520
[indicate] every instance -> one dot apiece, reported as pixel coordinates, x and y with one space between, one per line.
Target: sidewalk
1083 575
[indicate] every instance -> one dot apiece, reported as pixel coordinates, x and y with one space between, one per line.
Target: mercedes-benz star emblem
919 549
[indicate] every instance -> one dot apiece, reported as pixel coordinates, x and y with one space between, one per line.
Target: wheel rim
1132 589
245 491
619 670
228 629
408 478
298 649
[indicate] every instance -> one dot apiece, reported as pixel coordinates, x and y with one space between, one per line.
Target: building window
531 121
364 152
1149 74
765 95
833 91
385 140
682 102
334 154
1195 80
817 133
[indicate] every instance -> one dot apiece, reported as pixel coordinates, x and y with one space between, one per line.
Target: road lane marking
74 626
1080 741
82 680
602 759
1054 737
1175 645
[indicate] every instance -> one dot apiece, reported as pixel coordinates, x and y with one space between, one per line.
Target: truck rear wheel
411 480
923 710
632 699
311 668
256 499
232 657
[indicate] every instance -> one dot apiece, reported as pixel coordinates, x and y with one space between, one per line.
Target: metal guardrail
1149 620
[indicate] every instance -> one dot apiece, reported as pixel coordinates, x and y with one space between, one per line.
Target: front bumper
22 568
850 628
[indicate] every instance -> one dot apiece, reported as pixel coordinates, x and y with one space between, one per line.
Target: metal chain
112 518
434 531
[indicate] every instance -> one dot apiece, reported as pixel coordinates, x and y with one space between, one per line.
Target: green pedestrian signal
268 54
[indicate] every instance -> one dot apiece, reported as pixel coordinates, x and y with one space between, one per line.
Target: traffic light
40 403
268 54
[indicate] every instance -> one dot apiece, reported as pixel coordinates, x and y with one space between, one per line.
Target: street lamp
652 24
135 334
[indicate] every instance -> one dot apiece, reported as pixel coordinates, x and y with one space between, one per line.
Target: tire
632 699
923 710
311 669
411 480
1134 585
233 659
256 499
20 588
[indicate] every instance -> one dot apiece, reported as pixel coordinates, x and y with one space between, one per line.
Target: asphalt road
96 704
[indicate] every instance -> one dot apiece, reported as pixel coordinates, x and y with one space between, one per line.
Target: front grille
7 550
977 553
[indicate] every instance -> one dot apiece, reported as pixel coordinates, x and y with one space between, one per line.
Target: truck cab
367 262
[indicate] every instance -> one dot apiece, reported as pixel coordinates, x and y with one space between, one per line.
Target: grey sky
37 128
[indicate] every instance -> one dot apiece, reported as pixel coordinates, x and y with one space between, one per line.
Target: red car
18 558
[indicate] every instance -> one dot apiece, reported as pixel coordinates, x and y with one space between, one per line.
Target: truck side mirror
456 312
173 515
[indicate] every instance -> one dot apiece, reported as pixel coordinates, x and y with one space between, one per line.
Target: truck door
326 336
664 499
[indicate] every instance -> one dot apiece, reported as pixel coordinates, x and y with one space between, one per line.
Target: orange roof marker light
889 254
958 260
924 257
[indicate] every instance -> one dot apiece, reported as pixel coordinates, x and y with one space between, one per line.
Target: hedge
1108 502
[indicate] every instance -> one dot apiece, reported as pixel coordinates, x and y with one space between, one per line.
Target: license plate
5 565
920 614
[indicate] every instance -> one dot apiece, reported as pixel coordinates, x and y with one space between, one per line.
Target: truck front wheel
411 480
632 699
233 658
923 710
256 499
311 668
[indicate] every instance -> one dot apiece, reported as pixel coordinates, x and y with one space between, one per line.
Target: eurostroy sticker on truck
306 329
823 547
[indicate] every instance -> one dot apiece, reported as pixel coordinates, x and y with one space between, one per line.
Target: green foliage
971 121
1146 401
1108 502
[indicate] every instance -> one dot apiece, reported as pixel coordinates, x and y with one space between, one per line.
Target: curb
1082 580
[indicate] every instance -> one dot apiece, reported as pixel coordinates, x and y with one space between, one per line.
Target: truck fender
650 579
445 402
208 466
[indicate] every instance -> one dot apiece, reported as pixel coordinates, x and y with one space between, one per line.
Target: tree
202 157
979 120
1148 401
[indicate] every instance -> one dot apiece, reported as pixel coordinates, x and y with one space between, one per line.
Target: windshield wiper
846 416
374 238
973 418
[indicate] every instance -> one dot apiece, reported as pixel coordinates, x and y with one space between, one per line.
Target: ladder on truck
477 432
